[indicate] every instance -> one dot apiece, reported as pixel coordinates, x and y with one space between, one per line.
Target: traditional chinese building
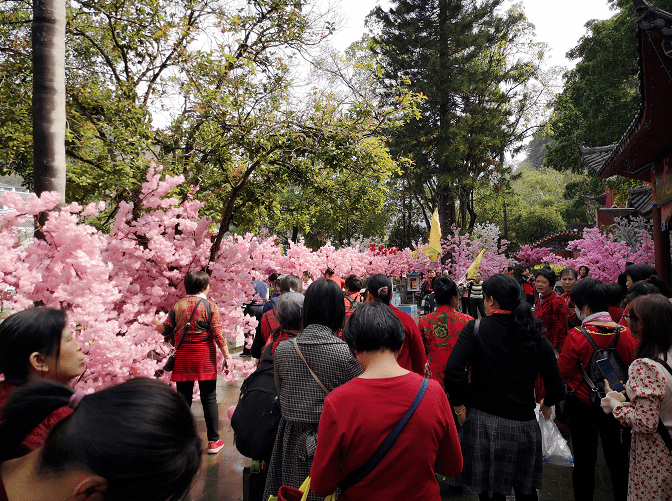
644 151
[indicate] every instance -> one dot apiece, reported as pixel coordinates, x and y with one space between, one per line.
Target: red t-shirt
338 281
357 417
412 356
577 348
35 438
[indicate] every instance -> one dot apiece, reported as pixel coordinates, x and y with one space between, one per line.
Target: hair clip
76 398
384 290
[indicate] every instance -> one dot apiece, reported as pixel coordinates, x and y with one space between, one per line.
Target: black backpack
257 416
592 374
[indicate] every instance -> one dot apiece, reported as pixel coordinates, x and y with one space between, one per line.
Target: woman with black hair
551 309
500 437
132 442
307 368
348 436
652 285
412 355
649 402
440 330
37 345
194 328
586 420
636 272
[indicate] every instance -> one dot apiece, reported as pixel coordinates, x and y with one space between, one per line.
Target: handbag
170 364
286 493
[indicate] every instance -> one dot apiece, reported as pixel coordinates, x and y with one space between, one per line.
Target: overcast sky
559 23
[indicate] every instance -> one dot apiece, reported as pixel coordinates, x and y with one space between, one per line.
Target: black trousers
585 423
209 402
464 303
476 305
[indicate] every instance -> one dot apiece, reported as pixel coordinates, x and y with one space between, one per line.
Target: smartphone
610 375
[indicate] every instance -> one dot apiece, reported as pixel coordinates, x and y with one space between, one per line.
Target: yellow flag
475 266
434 248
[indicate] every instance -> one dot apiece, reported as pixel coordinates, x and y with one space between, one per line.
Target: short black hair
380 287
591 292
273 277
372 327
569 271
547 273
26 332
196 281
444 289
353 283
640 271
584 266
641 288
323 305
614 294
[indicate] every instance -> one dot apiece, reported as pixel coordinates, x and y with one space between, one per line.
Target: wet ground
221 475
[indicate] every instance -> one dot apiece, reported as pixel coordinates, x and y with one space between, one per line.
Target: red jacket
412 356
578 348
553 313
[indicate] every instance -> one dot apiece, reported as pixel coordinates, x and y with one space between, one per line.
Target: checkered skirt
499 454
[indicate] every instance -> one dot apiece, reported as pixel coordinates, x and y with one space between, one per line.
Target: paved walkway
221 475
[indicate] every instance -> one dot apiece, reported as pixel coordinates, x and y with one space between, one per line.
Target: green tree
459 55
601 94
219 75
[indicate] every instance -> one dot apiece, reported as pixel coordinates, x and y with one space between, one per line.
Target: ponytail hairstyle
26 332
506 291
380 287
139 436
444 290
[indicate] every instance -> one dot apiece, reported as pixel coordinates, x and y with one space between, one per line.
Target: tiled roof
561 236
642 200
597 159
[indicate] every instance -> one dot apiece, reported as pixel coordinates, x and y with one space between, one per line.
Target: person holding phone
649 390
586 420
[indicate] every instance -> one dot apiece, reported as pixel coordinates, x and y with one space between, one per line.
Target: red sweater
553 313
35 438
577 348
412 356
357 417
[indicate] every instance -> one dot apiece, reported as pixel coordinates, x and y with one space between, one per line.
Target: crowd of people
374 404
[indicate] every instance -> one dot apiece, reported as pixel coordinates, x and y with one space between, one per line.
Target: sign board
413 282
663 183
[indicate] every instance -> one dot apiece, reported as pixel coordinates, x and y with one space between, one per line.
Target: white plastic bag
553 446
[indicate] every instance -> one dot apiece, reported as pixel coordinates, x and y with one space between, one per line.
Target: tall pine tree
458 54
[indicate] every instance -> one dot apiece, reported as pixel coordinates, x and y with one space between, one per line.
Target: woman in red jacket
348 436
551 309
587 420
37 345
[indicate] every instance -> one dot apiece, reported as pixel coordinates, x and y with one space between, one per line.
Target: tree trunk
49 118
446 208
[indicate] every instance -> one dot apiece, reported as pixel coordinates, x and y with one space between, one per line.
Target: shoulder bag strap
296 346
593 387
186 327
661 427
360 473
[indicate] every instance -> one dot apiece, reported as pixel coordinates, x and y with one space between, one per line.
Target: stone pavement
220 478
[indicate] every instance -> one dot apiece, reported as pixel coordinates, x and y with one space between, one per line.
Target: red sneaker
215 447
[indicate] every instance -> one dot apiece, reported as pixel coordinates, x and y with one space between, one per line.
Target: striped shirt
476 290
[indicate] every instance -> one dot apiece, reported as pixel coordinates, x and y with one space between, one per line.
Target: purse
170 364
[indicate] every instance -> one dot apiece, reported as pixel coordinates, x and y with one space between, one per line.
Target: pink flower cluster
604 255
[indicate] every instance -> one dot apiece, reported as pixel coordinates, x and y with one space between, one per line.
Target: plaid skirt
499 454
292 457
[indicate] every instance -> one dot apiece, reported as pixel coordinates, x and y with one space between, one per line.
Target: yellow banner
433 249
475 266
